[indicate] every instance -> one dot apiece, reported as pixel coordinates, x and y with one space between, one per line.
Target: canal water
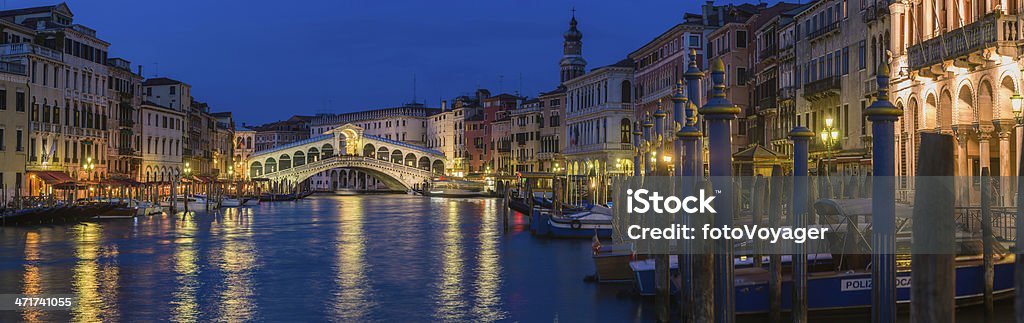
352 258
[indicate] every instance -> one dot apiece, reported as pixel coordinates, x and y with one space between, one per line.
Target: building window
19 101
741 75
172 90
861 59
694 41
741 39
846 60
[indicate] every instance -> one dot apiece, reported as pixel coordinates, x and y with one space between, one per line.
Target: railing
403 144
292 145
767 52
29 48
870 13
767 102
986 32
13 68
598 147
822 86
127 123
787 93
870 87
824 30
127 151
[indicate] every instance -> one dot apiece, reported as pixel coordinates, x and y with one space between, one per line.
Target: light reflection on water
354 258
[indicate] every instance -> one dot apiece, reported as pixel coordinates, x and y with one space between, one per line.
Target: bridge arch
396 156
437 167
383 153
271 165
424 163
284 162
298 158
410 160
255 169
312 155
369 150
327 150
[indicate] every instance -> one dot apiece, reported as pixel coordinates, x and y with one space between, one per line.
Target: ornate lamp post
187 172
88 167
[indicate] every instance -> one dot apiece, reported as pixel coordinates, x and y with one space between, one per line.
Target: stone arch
945 110
410 160
383 153
930 112
627 91
298 158
985 103
327 150
270 166
424 163
965 108
312 155
438 167
255 169
284 162
396 156
920 120
369 150
1004 108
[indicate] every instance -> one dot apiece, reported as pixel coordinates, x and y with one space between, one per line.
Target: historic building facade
598 121
957 90
14 128
163 130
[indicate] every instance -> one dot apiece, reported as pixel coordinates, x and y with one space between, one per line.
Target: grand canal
356 258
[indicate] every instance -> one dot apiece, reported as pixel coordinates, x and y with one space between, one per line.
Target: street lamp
829 137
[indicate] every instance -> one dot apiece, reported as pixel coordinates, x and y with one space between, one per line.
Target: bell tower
572 64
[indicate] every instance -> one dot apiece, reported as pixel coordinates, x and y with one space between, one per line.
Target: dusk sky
268 60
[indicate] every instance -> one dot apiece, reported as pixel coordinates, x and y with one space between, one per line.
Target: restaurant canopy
51 177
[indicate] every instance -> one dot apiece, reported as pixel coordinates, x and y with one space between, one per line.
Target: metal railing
30 48
824 30
822 86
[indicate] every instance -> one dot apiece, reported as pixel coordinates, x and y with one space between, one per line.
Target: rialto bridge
399 165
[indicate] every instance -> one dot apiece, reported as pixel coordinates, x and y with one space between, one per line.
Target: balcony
871 13
786 53
767 53
824 30
13 68
822 88
767 102
29 48
964 46
870 87
128 151
126 123
787 93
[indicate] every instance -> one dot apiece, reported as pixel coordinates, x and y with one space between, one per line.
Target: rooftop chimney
140 70
444 105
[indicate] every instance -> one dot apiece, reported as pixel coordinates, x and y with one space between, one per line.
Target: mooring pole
637 149
719 113
774 202
933 282
986 238
693 77
686 141
883 115
661 261
647 125
798 219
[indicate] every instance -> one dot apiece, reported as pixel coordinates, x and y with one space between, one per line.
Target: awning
51 177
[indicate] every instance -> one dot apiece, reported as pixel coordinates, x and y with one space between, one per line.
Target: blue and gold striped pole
648 165
801 139
638 152
719 114
689 135
883 114
693 77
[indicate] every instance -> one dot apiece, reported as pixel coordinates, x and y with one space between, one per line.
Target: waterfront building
244 147
163 129
501 140
762 77
660 63
67 98
125 142
14 128
729 43
494 130
776 41
959 90
552 143
598 122
222 144
526 122
281 132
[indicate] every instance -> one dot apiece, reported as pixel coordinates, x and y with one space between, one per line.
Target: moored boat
454 188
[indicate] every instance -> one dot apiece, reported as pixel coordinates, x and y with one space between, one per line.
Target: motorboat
194 203
454 188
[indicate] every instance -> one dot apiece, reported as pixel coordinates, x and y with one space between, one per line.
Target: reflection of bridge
399 165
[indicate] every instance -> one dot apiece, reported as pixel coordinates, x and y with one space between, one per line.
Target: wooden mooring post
932 297
798 218
986 242
773 192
